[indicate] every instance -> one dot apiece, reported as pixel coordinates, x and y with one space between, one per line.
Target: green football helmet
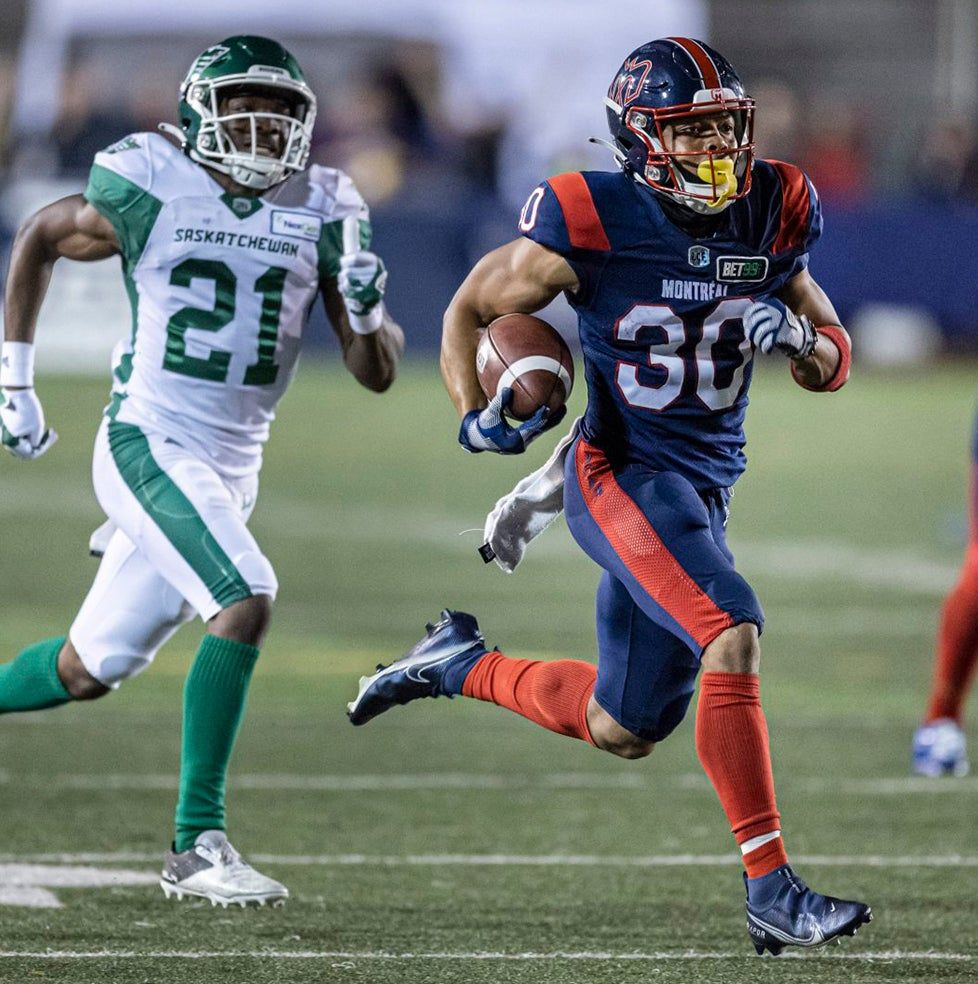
243 65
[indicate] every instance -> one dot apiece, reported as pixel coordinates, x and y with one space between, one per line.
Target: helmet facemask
211 143
721 176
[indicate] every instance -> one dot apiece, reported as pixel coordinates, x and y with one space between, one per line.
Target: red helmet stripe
584 225
704 63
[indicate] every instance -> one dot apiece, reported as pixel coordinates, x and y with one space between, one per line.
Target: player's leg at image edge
30 681
939 747
731 737
202 863
129 612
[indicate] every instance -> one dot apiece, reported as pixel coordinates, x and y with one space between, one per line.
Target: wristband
17 364
369 323
837 335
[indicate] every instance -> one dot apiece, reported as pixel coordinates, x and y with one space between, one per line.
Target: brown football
528 355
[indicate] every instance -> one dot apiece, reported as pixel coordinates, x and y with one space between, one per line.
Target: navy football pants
669 586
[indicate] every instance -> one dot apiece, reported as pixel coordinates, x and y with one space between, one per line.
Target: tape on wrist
17 364
369 323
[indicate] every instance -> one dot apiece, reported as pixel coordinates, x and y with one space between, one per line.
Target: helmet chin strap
173 131
250 176
619 156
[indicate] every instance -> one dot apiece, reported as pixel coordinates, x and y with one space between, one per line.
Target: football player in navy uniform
682 265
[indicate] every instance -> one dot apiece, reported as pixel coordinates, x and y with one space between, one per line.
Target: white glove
22 429
362 279
523 514
771 325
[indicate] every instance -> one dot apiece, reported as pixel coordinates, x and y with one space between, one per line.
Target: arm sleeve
119 186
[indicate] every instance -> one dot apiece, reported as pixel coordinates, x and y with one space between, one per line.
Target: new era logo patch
297 225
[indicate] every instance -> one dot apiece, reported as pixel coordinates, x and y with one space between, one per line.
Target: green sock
213 703
30 681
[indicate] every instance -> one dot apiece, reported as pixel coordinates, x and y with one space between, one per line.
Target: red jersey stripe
795 206
641 549
704 63
583 222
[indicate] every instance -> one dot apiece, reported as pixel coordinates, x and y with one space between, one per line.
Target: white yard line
518 860
559 955
901 570
366 783
907 571
27 885
639 781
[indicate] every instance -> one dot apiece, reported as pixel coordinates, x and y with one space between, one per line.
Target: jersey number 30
674 368
215 367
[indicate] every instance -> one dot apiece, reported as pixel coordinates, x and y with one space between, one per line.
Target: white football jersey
220 287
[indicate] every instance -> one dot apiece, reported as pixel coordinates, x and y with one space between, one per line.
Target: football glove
361 280
22 429
770 325
488 429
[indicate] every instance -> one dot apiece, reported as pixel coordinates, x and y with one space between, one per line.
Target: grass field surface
458 842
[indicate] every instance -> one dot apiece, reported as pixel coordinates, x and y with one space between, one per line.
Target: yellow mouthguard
718 173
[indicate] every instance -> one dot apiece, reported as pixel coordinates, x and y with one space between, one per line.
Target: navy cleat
435 667
783 911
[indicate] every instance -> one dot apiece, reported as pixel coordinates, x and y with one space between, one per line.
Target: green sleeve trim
131 210
330 246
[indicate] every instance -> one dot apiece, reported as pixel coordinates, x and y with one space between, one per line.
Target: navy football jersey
666 358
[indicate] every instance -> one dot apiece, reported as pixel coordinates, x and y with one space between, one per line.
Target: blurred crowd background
448 114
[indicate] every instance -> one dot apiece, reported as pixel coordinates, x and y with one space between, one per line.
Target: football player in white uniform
225 237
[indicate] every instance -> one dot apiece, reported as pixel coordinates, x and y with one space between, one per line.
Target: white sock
755 842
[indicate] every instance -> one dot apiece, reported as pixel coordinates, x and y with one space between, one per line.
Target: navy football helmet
658 84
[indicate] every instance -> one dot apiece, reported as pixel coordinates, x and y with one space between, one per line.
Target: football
528 355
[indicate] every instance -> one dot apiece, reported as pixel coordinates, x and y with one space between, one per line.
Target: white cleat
212 869
940 749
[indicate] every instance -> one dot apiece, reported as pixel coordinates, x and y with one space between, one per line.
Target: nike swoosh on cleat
814 939
419 678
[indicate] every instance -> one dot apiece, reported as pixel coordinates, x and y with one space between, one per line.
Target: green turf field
457 842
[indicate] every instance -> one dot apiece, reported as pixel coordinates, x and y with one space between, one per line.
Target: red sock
957 645
732 743
554 694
